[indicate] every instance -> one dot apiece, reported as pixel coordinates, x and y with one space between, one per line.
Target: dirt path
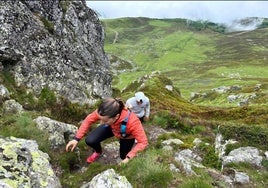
115 37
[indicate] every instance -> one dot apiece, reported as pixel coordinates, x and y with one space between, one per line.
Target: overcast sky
215 11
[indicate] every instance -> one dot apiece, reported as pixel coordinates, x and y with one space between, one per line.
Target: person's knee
90 141
122 156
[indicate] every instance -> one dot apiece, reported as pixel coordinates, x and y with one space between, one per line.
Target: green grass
196 57
241 72
192 58
22 126
148 170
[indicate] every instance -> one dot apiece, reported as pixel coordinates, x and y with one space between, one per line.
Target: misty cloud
215 11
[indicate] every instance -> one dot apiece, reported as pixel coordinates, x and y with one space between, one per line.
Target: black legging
142 119
102 132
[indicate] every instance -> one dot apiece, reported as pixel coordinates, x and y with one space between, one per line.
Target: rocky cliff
57 45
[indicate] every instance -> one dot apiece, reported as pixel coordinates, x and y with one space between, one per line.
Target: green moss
7 79
64 5
9 151
12 183
48 25
43 183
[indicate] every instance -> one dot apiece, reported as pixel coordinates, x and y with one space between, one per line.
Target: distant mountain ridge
197 56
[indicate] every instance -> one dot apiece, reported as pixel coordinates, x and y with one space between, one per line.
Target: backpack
123 128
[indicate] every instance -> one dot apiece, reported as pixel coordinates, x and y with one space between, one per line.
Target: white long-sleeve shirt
140 110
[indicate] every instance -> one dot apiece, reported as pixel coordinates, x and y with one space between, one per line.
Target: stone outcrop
4 93
24 165
59 133
248 154
12 107
57 45
108 178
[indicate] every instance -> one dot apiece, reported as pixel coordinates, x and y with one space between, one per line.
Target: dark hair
111 107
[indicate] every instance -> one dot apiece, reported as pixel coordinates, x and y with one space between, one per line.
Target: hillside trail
116 33
115 36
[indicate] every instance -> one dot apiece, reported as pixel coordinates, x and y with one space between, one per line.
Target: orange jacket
134 130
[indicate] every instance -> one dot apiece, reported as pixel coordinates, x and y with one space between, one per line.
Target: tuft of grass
46 98
148 170
210 158
64 110
22 126
265 163
196 183
252 135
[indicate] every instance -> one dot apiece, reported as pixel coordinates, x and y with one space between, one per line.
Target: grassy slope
196 60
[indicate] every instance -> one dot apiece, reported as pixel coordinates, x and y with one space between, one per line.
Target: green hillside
196 56
148 55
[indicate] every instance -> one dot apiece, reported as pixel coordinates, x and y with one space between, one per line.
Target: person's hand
125 161
71 145
129 106
146 118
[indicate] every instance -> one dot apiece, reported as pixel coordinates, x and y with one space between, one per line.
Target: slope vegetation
196 56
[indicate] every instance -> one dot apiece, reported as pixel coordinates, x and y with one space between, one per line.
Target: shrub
46 99
210 158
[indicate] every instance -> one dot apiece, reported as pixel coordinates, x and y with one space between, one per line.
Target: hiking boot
93 157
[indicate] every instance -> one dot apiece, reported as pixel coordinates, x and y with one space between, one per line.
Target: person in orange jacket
111 113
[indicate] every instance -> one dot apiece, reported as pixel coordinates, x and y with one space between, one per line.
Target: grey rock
243 154
187 158
24 165
57 45
58 131
12 107
241 177
108 179
4 93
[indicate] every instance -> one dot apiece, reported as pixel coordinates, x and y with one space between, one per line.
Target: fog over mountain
226 12
247 24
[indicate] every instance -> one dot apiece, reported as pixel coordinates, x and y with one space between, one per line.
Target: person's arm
147 111
137 131
128 104
85 126
83 129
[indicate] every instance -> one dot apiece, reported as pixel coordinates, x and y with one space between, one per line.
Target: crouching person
115 120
